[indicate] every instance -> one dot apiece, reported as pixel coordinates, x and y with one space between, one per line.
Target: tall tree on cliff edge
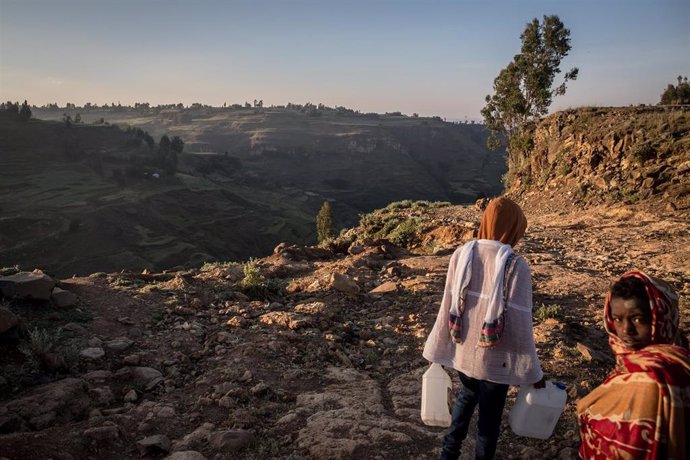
523 90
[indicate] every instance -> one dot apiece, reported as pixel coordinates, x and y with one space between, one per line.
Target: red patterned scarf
642 410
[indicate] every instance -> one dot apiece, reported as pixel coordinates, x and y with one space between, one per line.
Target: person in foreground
484 327
642 410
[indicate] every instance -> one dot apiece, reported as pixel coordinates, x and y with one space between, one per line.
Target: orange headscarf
503 221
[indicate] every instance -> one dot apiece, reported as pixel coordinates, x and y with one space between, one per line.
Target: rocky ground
309 353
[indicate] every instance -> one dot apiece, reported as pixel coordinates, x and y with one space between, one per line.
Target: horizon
409 57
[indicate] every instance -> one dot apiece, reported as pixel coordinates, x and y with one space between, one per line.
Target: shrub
544 312
253 284
404 232
642 152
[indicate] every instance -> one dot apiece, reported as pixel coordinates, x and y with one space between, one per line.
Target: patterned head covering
663 303
503 221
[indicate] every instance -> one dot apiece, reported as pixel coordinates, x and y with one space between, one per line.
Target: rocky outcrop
610 154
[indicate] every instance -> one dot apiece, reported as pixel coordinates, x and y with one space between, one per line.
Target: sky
428 57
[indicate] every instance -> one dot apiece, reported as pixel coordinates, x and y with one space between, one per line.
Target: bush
642 153
404 232
253 284
544 312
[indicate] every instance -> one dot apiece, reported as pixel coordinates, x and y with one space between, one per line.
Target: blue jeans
491 398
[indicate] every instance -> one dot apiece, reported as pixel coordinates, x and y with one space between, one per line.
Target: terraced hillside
88 197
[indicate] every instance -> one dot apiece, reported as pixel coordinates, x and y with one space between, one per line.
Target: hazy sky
430 57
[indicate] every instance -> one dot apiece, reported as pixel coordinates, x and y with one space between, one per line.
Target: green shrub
544 312
404 232
41 341
253 284
399 205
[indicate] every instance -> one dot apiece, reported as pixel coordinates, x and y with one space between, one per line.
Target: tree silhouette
523 89
677 95
24 112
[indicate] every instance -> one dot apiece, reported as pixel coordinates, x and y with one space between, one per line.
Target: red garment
642 410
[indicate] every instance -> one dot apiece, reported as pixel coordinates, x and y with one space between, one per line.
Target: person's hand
540 384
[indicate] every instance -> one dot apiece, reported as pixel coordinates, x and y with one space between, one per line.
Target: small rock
589 353
153 445
259 389
230 440
62 298
131 396
98 376
119 344
166 412
355 249
92 353
237 321
226 401
385 288
246 377
194 438
344 284
144 375
131 360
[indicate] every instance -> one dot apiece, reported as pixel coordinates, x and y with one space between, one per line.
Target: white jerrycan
436 387
536 411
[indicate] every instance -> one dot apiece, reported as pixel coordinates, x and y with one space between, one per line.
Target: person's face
633 322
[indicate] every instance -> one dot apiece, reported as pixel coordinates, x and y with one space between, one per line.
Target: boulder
63 298
34 285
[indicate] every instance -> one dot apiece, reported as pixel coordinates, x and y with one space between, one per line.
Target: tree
523 90
324 223
677 95
12 108
149 140
164 145
176 144
24 112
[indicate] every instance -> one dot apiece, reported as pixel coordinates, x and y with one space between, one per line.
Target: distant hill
84 198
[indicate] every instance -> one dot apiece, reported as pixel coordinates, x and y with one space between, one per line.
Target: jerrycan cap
560 385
